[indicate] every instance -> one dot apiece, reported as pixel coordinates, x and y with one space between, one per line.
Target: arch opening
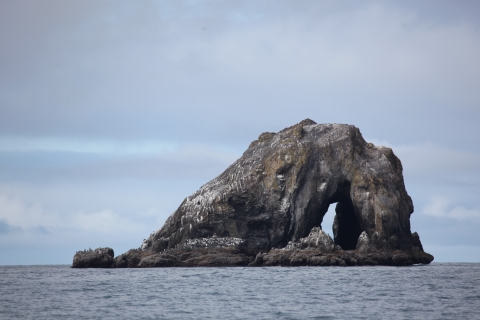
346 227
328 219
335 210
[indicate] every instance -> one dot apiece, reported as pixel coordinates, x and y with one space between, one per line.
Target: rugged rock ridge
275 196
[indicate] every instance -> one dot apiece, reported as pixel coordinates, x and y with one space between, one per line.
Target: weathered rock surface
268 206
98 258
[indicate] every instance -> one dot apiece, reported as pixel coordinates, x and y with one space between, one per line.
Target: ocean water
436 291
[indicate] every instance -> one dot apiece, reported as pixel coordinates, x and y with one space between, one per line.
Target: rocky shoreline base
318 249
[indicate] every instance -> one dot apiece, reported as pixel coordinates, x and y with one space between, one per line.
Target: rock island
267 208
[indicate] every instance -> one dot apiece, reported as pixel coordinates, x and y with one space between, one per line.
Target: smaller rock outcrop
98 258
317 238
363 242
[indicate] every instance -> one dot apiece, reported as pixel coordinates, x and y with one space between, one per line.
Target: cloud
444 208
15 214
430 158
51 144
152 70
7 228
185 162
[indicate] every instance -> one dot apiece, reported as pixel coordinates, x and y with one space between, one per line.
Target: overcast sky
112 112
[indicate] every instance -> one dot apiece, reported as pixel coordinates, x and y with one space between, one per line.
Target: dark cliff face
282 186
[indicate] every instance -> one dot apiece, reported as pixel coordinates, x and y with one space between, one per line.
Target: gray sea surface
436 291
